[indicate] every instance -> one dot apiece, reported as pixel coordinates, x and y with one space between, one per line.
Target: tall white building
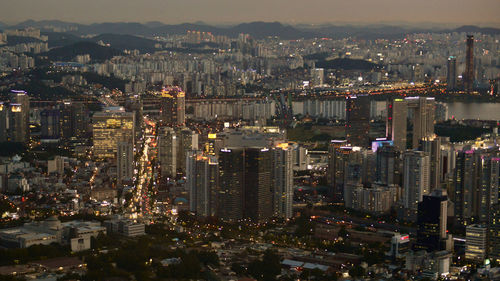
167 151
283 180
125 161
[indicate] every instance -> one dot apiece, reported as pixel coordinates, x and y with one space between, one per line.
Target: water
475 110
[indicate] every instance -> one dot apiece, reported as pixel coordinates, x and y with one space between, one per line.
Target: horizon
293 12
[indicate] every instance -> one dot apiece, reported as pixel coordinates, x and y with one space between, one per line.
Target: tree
357 271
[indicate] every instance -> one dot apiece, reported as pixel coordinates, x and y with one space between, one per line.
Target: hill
15 40
126 42
69 52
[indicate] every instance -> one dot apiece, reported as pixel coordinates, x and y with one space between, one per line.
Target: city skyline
225 12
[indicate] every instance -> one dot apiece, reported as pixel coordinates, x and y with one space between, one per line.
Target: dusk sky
483 12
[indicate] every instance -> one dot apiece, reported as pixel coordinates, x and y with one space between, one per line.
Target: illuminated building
475 242
167 149
4 114
230 195
423 110
494 233
433 148
74 118
173 106
452 74
202 182
125 161
469 65
357 120
400 245
19 119
397 113
317 77
416 172
187 140
111 126
282 177
337 151
432 219
476 185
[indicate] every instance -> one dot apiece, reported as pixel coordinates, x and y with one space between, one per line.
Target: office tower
50 124
494 233
432 218
282 176
74 117
19 121
358 120
476 185
397 113
423 118
167 150
202 182
475 242
416 170
187 140
4 119
317 77
111 126
258 184
230 195
387 165
173 106
432 147
452 74
125 161
469 65
337 156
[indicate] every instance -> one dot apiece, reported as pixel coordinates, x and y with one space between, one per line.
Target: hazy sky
484 12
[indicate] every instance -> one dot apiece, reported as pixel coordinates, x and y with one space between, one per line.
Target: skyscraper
431 221
358 120
476 185
432 147
173 106
202 181
494 233
125 161
451 76
111 126
167 151
4 118
397 113
337 157
19 121
388 165
186 140
282 176
50 123
469 76
423 118
231 192
416 172
258 184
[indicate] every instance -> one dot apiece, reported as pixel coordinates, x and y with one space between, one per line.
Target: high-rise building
451 74
397 113
432 147
202 182
494 233
358 120
125 161
187 140
258 184
317 77
231 192
469 76
423 110
74 119
338 152
111 126
50 124
475 242
4 119
167 151
173 106
388 165
416 172
431 221
19 121
282 176
475 184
